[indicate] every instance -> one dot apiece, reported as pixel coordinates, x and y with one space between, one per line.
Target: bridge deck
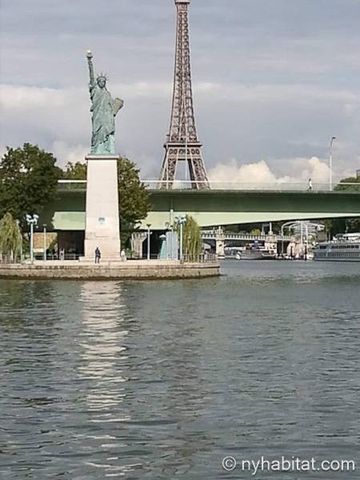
215 207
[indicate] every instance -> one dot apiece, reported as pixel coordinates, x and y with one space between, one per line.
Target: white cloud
247 173
284 93
69 153
270 122
260 174
23 97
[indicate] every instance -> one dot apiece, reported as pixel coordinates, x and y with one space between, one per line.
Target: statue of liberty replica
104 110
102 228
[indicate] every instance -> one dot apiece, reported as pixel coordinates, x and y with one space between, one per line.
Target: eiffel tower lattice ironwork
182 144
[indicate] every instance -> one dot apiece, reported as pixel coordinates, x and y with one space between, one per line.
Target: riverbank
132 270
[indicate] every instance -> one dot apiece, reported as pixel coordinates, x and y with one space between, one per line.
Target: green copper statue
104 110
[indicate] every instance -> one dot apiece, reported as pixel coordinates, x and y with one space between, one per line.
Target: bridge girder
212 208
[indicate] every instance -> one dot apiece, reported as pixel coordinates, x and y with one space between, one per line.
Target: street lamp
181 221
331 163
148 240
170 233
32 220
45 242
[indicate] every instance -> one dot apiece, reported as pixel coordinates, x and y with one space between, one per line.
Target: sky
273 81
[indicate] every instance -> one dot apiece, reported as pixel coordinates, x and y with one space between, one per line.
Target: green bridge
214 207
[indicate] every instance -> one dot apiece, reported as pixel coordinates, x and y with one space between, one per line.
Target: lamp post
169 237
171 242
32 220
331 163
181 221
45 242
148 240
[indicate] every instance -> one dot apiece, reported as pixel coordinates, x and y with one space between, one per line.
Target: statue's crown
102 76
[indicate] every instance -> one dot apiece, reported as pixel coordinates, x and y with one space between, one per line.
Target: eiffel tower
182 144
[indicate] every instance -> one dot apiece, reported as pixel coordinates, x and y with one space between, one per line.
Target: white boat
256 254
344 248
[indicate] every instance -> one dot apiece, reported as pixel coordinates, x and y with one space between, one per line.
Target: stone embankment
135 270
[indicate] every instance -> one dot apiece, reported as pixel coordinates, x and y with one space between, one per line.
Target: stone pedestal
102 208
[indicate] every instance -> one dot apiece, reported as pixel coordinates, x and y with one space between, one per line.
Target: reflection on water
160 380
101 342
103 356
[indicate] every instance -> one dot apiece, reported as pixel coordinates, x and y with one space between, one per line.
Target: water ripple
147 380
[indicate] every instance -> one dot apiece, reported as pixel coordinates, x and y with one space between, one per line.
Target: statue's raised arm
104 110
89 57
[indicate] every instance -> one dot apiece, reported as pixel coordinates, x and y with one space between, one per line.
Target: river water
162 380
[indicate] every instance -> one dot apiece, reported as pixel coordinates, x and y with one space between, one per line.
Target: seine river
162 380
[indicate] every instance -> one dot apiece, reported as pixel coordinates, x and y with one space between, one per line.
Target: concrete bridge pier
220 242
137 240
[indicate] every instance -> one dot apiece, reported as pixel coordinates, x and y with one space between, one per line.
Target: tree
353 225
28 181
74 171
134 199
10 238
340 187
192 240
348 225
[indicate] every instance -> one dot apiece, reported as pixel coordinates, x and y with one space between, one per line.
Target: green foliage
192 240
74 171
342 225
340 187
10 238
353 225
134 199
28 181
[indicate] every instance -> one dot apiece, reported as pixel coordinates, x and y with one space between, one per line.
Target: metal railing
80 185
248 186
72 185
55 256
202 258
213 234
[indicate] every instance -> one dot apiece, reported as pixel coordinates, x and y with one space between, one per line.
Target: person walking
97 255
310 187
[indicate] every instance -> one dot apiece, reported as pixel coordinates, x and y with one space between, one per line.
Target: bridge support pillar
220 242
137 240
